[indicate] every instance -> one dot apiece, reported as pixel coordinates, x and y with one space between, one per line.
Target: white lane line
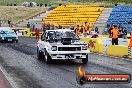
8 77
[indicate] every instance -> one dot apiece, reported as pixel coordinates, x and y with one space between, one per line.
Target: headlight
54 48
2 38
84 47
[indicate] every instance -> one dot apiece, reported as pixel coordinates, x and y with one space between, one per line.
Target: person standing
44 27
33 26
28 25
120 32
85 29
77 30
37 33
105 31
124 34
114 35
130 44
9 23
109 31
96 30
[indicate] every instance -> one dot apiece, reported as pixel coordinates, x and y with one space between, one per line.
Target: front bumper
68 54
8 40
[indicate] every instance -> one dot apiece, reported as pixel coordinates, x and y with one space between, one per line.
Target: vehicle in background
61 44
7 35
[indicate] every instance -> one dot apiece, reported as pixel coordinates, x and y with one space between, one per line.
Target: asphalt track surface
21 63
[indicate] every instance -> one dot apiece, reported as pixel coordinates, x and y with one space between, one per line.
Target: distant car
7 35
61 44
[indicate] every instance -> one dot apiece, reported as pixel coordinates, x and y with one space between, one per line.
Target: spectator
114 34
116 4
130 45
96 30
105 31
48 27
15 4
45 5
9 23
125 34
37 33
130 22
28 25
120 33
98 10
15 30
33 26
60 27
41 4
44 26
37 4
85 28
77 30
30 4
109 31
22 32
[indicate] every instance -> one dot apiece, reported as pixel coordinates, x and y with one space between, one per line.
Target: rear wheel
85 60
48 58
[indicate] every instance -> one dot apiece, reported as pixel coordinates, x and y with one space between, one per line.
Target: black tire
39 54
16 41
85 60
48 58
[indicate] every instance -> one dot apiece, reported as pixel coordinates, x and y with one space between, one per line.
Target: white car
61 44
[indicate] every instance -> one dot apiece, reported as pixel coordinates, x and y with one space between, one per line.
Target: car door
43 42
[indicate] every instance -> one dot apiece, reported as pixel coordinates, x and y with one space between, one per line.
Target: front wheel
39 54
48 58
85 60
16 41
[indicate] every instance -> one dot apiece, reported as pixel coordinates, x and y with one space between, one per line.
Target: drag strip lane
36 74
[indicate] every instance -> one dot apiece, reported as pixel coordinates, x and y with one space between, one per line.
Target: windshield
7 32
62 34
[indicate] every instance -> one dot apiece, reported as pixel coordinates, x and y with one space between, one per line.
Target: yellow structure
71 15
117 50
94 44
20 29
32 34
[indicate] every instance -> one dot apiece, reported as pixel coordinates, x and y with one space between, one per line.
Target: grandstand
121 15
71 15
